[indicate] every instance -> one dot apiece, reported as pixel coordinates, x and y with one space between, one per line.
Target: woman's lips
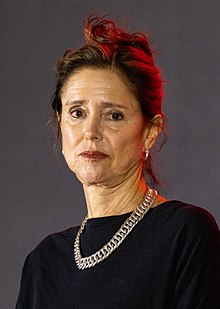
95 155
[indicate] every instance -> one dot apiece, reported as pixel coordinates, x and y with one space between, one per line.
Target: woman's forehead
95 78
103 84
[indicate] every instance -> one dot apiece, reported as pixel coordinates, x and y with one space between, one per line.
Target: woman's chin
89 179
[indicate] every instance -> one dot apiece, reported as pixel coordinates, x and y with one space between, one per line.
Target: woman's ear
58 117
153 128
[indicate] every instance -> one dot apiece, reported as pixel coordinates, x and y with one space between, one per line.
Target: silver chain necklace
119 236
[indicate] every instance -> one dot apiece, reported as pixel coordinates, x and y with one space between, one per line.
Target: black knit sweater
170 260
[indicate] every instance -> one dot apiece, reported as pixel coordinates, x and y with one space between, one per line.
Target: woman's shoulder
52 245
60 236
183 209
184 215
191 212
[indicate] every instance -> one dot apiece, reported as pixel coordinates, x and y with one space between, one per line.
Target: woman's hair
129 54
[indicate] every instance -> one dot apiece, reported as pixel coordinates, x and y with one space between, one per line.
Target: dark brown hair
108 46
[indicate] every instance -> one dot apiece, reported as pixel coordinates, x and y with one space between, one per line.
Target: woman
134 249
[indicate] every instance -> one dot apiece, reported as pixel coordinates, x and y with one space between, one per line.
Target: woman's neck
109 201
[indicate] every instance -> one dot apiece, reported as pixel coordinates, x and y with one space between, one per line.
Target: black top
170 260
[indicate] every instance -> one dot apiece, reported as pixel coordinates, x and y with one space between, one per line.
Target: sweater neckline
116 219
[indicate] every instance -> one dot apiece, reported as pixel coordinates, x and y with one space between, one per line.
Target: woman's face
103 129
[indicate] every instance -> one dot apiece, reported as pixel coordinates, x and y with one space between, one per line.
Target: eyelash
110 115
76 111
119 115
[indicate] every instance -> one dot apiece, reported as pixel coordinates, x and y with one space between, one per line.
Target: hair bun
104 31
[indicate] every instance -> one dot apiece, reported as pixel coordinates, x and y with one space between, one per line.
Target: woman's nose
93 130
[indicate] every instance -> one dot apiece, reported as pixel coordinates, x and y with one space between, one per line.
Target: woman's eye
77 113
116 116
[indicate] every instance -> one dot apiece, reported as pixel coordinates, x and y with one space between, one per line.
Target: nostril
92 129
93 136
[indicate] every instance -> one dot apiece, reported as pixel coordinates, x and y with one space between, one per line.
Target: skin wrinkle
103 103
115 184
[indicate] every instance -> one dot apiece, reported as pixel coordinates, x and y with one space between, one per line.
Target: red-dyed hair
108 46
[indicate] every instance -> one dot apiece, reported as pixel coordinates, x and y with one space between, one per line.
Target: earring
62 152
146 154
58 117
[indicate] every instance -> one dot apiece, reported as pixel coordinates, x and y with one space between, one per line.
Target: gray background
39 195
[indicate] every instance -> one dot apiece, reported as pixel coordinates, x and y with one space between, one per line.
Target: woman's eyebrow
111 104
75 102
103 103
